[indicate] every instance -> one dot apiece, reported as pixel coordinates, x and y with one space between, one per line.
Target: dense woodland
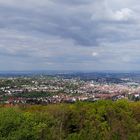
102 120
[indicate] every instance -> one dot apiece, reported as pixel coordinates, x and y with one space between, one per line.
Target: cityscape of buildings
59 89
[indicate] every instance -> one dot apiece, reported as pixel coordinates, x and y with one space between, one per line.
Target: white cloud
123 14
95 54
107 13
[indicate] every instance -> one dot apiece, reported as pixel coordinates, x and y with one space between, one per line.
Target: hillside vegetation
102 120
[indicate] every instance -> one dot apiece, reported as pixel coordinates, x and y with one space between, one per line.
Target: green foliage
16 82
103 120
34 94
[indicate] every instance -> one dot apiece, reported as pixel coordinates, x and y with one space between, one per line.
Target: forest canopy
102 120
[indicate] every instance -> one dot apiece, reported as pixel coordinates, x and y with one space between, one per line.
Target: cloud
62 34
74 2
124 14
106 13
95 54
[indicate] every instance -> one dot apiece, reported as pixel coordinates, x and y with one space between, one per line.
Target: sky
70 35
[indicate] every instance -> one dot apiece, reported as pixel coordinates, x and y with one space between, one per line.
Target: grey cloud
77 2
31 27
82 27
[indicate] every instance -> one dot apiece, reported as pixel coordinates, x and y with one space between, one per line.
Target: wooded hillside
102 120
